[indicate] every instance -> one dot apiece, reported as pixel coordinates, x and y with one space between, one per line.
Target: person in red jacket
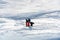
29 23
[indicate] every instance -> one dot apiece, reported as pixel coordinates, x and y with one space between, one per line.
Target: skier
29 23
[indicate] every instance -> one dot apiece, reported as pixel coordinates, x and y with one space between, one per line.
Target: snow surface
43 29
44 13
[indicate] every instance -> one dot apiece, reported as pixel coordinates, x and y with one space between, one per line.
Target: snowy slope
43 29
44 13
15 7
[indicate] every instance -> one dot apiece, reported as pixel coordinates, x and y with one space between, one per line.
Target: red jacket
28 24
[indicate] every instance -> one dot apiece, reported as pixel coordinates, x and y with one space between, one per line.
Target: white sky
23 6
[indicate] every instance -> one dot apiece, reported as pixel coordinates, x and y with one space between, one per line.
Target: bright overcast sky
23 6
